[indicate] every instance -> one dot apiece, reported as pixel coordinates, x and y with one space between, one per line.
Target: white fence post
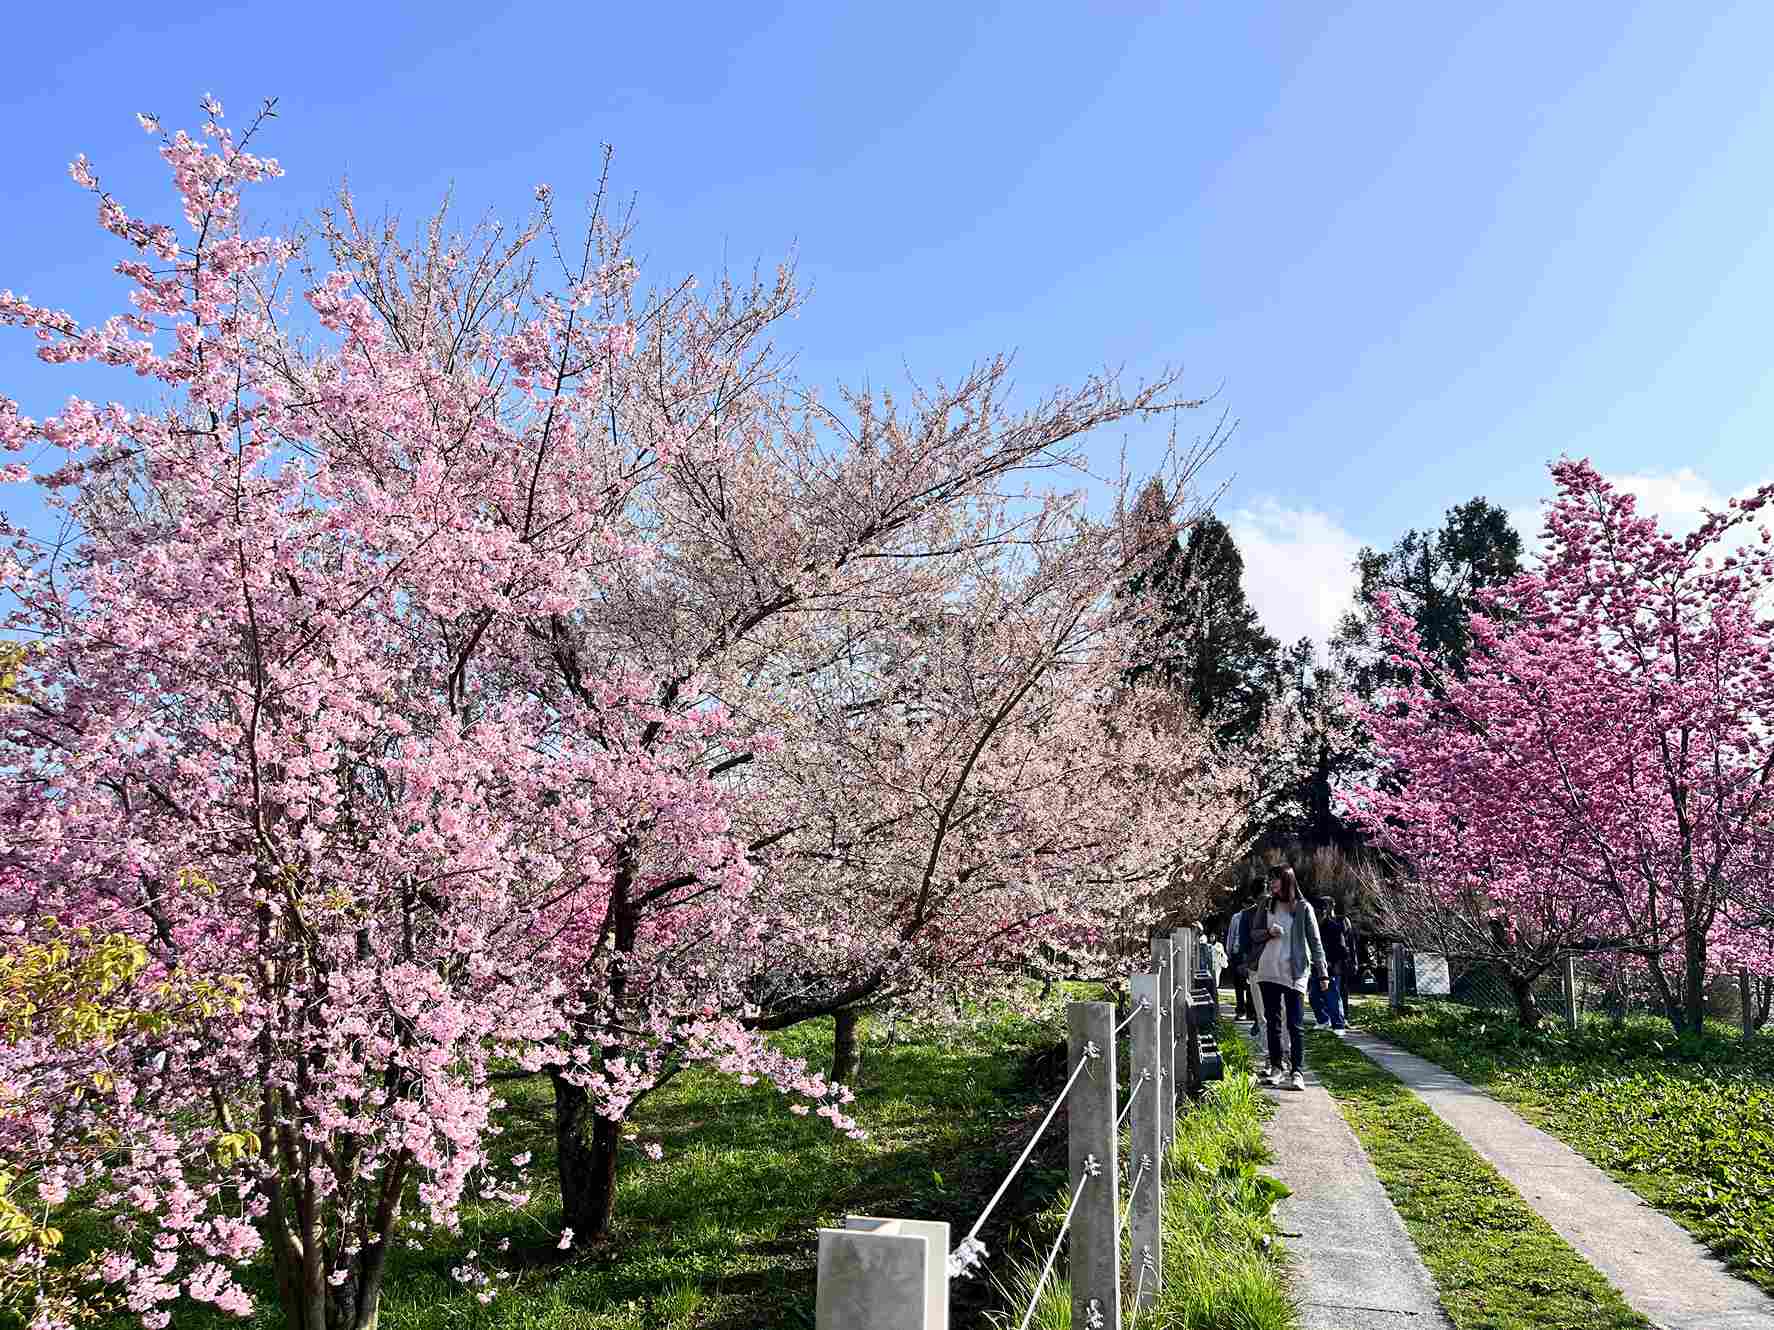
1146 1140
883 1274
1395 995
1570 994
1095 1167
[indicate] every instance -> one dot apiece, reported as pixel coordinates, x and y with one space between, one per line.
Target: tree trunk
1694 1017
1672 1001
587 1144
355 1303
844 1045
1527 1010
1764 1000
1323 823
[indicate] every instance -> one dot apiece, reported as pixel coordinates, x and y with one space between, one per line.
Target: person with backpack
1244 979
1235 970
1285 927
1339 937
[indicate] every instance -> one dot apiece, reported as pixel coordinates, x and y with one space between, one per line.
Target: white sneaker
1270 1076
1296 1082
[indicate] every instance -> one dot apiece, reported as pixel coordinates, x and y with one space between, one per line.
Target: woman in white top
1292 951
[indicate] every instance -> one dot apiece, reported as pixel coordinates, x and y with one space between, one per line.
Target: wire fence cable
1091 1169
1133 1094
969 1250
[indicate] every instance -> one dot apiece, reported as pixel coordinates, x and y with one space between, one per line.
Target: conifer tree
1206 640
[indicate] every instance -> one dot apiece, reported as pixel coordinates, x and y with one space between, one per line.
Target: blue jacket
1238 939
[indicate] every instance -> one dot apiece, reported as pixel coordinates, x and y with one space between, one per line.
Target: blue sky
1417 252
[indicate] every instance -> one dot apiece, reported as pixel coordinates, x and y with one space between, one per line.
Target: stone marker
883 1274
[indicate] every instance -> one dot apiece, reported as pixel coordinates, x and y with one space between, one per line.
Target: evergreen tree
1207 641
1325 746
1433 577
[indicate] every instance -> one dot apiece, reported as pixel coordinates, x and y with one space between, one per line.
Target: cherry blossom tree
1600 778
282 729
981 790
801 570
785 541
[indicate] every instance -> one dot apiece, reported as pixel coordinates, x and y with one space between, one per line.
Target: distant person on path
1216 954
1286 927
1244 945
1338 939
1315 991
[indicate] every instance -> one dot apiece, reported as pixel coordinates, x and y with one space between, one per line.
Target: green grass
1496 1264
1687 1124
720 1234
1223 1268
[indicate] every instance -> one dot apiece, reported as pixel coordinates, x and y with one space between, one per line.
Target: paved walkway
1660 1270
1355 1267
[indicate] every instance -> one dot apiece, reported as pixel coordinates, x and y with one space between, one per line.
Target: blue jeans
1338 1002
1315 991
1274 995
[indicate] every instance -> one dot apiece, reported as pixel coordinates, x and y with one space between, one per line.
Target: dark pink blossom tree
1601 777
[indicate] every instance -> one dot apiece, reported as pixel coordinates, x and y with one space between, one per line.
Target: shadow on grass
720 1234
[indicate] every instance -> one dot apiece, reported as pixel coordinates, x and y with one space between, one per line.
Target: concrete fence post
1395 988
1749 1011
1570 993
1145 1120
1165 1097
1095 1167
883 1274
1176 1057
1189 1082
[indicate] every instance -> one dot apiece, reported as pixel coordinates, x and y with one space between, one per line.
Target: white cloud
1299 568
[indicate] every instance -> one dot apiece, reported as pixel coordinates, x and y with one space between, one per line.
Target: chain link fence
1608 984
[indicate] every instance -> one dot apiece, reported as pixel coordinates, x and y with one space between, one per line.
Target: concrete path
1660 1270
1355 1267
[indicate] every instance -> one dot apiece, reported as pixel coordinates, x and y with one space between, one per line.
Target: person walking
1337 936
1315 1000
1253 949
1286 927
1244 945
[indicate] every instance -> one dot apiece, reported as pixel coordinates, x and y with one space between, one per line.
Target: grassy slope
1497 1265
1688 1125
719 1235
